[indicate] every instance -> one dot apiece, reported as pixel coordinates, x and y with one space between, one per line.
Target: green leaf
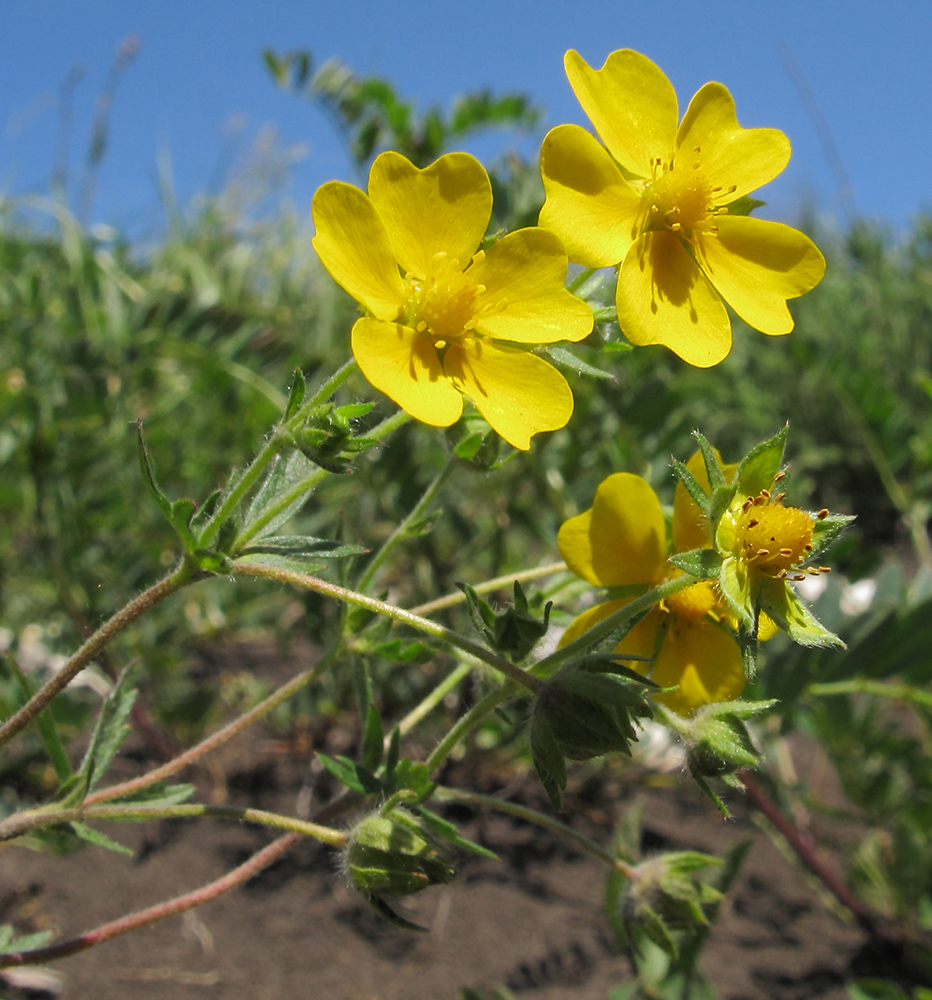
10 943
303 545
414 776
370 754
148 476
548 761
563 358
607 663
481 613
444 828
758 468
296 395
284 475
158 794
399 651
352 775
93 836
46 723
704 564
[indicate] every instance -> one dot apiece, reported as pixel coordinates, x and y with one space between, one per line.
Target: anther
823 514
765 494
753 523
697 149
781 575
786 552
799 576
779 476
779 497
696 165
676 227
825 569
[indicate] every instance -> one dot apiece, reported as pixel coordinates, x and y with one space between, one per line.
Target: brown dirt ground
531 921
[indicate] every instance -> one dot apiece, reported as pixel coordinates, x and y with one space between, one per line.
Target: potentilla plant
455 327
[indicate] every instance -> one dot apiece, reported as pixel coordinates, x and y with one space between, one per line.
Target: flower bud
719 744
395 855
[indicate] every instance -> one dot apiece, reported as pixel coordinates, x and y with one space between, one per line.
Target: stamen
823 514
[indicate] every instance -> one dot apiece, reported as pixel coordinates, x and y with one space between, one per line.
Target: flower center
679 197
445 303
694 603
771 537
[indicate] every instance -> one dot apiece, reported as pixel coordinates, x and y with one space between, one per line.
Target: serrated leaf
109 733
566 359
351 774
704 564
296 394
99 839
444 828
758 468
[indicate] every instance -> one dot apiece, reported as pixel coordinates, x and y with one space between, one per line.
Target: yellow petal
632 105
690 528
404 365
640 641
703 660
757 265
444 208
663 298
354 247
621 540
518 393
729 155
589 205
525 298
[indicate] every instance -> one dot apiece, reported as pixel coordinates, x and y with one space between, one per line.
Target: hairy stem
251 867
178 578
390 611
23 823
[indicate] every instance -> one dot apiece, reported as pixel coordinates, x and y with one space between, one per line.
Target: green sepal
204 513
744 205
826 531
787 609
748 643
390 916
713 469
547 758
563 358
607 663
758 468
735 588
99 839
414 775
719 503
703 564
448 831
296 394
692 486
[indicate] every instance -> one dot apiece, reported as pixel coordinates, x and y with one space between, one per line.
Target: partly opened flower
443 320
655 200
622 542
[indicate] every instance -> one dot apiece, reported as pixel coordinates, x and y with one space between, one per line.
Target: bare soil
531 921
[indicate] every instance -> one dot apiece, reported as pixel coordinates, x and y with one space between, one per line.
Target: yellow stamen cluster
445 303
681 200
771 538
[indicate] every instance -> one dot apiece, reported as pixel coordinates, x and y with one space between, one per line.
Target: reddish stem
255 864
806 849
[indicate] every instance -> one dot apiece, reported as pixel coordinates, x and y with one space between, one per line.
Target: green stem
178 578
540 819
546 666
23 823
466 722
401 532
211 743
900 692
584 275
278 438
429 703
425 625
450 600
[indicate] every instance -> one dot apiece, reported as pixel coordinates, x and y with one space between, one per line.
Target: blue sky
199 94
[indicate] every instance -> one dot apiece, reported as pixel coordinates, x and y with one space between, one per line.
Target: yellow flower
443 319
621 542
655 200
